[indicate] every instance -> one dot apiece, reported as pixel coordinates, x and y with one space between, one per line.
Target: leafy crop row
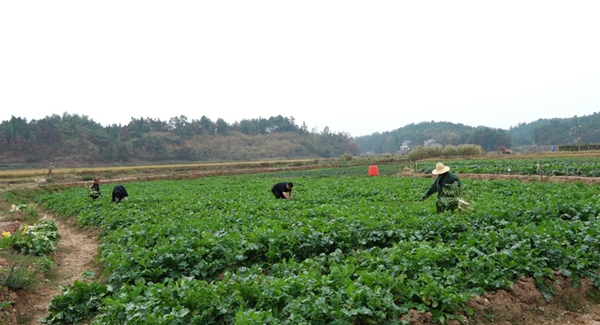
38 239
584 167
347 250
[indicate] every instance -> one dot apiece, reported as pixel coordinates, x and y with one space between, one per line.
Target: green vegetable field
580 166
349 249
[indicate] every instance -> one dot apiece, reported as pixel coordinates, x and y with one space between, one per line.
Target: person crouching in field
95 189
283 190
444 178
119 193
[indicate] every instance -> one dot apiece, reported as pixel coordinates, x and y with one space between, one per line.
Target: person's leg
278 195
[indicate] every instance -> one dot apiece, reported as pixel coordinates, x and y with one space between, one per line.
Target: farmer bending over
119 193
444 177
283 190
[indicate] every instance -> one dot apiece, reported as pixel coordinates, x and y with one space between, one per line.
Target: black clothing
119 193
278 190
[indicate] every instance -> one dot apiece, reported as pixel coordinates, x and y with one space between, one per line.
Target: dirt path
75 255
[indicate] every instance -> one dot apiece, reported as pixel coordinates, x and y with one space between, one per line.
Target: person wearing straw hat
444 177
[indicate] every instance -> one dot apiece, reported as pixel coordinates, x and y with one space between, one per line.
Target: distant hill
73 140
77 140
543 132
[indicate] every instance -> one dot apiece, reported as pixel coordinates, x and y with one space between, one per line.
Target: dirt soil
523 305
76 252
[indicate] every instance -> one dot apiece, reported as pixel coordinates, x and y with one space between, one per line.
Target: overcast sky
355 66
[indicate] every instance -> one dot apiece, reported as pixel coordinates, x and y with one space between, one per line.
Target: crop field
548 166
349 249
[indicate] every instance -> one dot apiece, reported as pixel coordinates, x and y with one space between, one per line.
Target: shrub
450 151
19 276
421 152
466 150
39 239
29 210
470 150
77 303
346 157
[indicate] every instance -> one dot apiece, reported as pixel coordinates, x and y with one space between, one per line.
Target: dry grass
29 173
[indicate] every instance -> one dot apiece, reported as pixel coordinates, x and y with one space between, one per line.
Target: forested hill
444 133
543 132
76 140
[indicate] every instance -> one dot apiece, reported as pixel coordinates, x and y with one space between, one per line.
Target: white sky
355 66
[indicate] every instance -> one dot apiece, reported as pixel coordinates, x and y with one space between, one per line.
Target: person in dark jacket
283 190
95 189
119 193
444 178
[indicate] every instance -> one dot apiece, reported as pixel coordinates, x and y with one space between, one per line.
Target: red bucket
373 171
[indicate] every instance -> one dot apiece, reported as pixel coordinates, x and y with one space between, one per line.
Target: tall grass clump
421 152
463 150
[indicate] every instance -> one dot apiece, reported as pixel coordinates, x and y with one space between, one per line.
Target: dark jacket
439 183
119 193
280 188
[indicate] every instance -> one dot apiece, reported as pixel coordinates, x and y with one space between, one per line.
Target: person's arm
430 191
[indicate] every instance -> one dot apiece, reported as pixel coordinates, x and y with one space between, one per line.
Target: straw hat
440 169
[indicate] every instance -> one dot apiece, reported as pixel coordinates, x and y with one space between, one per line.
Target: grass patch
24 272
593 295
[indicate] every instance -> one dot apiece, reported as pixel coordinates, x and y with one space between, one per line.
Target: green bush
421 152
463 150
39 239
470 150
346 157
19 276
77 303
30 210
23 271
450 151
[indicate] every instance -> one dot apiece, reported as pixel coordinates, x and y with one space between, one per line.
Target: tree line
443 133
78 139
543 132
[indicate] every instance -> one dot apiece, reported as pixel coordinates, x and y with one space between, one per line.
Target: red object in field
503 149
373 171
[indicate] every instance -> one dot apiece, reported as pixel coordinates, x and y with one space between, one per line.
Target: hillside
73 140
543 132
